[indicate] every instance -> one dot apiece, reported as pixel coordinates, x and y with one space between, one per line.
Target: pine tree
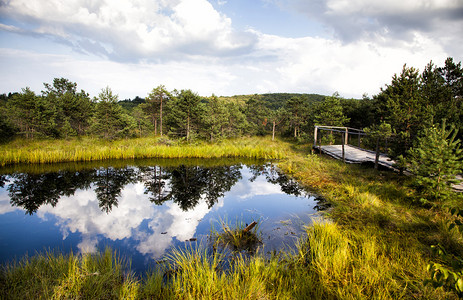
185 113
330 112
109 119
435 161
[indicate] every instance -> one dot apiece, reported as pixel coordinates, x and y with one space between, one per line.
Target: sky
224 47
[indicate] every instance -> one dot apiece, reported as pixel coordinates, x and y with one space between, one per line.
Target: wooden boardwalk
356 155
359 155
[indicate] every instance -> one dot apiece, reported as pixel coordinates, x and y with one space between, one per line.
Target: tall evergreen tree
154 106
237 123
31 114
73 109
297 114
329 112
109 120
402 105
257 115
435 160
215 118
185 113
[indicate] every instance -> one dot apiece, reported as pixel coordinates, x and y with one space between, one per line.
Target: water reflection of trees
273 175
30 191
184 185
109 183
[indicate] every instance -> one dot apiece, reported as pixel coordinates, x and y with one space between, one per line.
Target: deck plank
356 155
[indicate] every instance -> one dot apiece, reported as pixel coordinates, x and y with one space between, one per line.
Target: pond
145 209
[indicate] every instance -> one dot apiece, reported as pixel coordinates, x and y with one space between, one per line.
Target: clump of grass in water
241 237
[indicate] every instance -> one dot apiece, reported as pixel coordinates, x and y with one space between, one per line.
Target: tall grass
55 276
88 149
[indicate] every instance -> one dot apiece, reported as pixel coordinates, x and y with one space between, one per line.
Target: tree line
61 111
412 102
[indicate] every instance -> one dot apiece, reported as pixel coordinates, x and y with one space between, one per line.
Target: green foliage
73 109
296 110
360 112
257 114
377 136
109 120
381 131
154 106
451 274
330 112
215 120
33 115
185 112
435 160
142 120
402 105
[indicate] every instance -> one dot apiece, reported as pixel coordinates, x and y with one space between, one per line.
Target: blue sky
224 47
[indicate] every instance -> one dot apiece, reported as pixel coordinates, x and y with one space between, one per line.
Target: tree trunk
188 128
160 118
273 131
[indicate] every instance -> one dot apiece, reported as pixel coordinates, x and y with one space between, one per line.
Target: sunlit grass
90 149
57 276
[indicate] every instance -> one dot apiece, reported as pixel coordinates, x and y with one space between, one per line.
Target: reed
89 149
56 276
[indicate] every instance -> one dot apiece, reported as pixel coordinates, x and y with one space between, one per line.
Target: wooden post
359 140
377 154
343 153
315 137
346 138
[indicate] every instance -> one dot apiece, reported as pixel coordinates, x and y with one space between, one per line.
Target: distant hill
273 100
276 100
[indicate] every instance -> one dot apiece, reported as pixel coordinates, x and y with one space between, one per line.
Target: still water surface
144 209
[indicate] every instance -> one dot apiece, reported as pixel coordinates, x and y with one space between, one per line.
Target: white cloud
81 214
5 205
130 30
173 223
133 46
387 21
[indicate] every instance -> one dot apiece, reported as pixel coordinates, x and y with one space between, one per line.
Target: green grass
23 151
373 243
55 276
236 238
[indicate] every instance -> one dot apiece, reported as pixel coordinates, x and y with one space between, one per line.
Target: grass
23 151
237 238
55 276
373 243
